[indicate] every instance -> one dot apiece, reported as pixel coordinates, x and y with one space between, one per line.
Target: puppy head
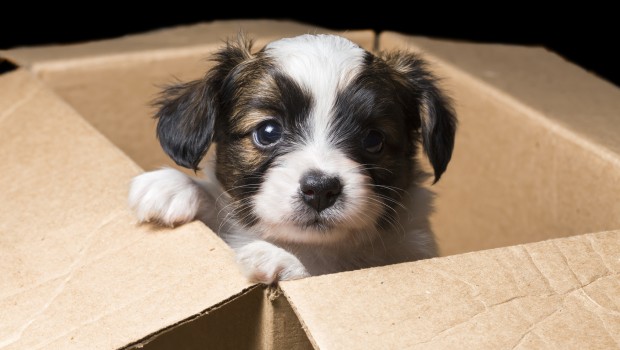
316 137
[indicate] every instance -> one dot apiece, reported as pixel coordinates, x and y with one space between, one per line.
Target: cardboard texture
536 157
555 294
78 271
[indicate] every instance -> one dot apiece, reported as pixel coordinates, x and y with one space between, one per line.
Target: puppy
312 167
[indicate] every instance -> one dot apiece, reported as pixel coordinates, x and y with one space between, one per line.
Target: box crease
301 320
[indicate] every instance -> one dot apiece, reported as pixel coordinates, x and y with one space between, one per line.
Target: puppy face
316 137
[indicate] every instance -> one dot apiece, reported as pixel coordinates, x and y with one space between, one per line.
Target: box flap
176 41
536 154
78 272
554 294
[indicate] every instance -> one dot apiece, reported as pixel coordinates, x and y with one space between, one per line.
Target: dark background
586 35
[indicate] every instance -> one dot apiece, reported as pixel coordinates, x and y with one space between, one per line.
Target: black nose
319 190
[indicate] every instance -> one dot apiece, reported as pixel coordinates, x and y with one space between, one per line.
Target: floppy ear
432 110
188 111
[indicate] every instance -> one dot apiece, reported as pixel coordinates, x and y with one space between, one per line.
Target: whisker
391 218
240 206
391 188
367 167
227 192
369 199
390 200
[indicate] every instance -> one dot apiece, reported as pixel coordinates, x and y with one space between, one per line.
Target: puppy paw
262 262
166 196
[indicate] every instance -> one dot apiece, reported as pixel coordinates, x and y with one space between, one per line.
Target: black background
586 35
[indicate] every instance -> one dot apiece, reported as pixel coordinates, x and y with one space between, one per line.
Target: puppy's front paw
166 196
263 262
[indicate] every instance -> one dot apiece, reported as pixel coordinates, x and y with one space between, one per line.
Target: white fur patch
166 196
278 197
266 263
322 64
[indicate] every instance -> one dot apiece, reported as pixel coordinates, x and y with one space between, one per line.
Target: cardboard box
537 157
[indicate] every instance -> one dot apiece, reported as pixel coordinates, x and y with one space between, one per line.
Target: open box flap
159 44
555 294
78 272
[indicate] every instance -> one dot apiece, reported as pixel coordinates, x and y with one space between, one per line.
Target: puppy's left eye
373 142
268 133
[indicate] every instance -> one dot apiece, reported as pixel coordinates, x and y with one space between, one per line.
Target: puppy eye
268 133
373 142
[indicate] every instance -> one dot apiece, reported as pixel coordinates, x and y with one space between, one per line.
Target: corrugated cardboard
78 272
536 158
556 294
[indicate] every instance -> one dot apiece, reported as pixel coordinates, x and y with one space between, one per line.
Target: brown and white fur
314 144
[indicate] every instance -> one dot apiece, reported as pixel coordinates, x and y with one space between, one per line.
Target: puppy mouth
317 224
326 220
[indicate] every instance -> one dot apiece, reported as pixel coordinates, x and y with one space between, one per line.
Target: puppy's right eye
267 133
373 142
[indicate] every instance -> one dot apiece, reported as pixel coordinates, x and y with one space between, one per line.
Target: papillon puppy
312 164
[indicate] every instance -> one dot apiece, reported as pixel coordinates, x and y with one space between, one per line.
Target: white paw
263 262
166 196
